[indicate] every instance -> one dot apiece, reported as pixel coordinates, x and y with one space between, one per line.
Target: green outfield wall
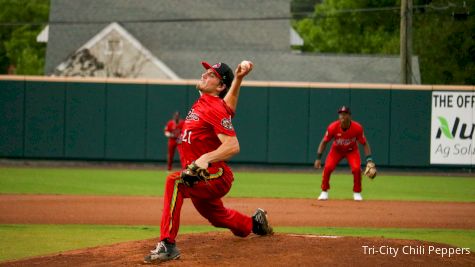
112 119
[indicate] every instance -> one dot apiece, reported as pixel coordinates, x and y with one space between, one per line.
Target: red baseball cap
344 109
222 70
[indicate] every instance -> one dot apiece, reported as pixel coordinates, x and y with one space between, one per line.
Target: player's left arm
370 169
228 148
367 148
231 98
367 151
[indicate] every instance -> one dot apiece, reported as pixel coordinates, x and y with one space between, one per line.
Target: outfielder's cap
344 109
222 70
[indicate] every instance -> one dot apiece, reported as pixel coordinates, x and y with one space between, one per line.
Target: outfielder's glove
193 174
370 170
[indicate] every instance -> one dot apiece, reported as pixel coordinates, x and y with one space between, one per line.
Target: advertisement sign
453 128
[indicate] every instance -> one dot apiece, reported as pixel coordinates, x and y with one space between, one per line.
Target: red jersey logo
192 116
226 123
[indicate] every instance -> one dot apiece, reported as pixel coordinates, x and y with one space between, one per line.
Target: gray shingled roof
272 66
181 45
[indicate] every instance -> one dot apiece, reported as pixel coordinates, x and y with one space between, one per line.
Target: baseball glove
370 170
193 174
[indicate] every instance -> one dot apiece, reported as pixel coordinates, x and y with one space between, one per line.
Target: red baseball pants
206 198
171 152
354 161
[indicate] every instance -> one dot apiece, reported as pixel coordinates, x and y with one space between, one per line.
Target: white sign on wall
453 128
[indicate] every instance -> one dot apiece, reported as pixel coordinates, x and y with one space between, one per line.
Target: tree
445 46
18 46
335 28
443 34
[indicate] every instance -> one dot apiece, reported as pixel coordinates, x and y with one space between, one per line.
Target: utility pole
406 41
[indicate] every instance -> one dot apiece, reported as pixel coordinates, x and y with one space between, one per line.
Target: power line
65 22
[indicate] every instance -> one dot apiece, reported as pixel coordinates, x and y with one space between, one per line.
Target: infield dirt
119 210
223 249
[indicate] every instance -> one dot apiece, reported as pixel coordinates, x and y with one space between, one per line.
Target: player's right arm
228 148
323 145
320 150
231 98
166 132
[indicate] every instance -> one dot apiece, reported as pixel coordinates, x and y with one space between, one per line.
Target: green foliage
446 47
445 44
27 56
18 45
350 32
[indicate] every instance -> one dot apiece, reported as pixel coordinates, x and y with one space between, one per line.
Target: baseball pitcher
208 139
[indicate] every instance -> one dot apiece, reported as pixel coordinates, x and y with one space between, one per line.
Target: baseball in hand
245 65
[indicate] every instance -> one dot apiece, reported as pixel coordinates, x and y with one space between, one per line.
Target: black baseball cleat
260 224
163 252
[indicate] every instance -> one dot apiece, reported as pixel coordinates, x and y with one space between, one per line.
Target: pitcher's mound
223 249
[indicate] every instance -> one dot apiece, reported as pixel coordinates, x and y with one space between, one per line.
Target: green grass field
18 241
70 181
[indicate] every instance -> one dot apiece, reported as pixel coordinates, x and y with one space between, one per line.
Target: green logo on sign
444 125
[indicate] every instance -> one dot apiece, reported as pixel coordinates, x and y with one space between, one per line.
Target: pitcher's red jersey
208 117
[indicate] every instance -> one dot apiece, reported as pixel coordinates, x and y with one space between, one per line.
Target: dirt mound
223 249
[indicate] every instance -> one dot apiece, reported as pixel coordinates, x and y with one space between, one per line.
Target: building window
114 46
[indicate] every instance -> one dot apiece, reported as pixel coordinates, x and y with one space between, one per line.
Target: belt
218 174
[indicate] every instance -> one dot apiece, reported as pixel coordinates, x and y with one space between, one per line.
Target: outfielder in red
208 139
172 132
345 133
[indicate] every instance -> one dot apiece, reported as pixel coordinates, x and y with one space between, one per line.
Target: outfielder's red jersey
174 128
208 117
345 141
